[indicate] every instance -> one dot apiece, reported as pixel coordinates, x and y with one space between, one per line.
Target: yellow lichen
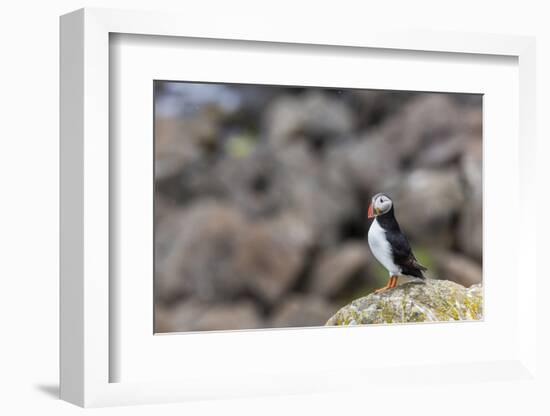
432 300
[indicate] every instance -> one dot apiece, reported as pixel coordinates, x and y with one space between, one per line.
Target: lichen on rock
417 301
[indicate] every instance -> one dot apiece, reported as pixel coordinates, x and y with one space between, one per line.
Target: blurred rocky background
261 195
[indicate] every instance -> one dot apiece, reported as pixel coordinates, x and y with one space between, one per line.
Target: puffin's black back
401 249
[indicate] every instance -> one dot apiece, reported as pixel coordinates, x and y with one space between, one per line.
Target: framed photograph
268 215
271 212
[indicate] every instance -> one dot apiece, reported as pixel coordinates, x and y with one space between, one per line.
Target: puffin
388 244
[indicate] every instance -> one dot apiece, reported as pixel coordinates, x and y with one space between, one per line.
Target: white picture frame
87 166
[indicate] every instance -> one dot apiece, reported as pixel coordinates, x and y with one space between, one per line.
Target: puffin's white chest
381 248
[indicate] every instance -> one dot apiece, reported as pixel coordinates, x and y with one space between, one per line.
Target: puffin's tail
416 270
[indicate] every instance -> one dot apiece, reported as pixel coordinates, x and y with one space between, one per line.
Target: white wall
29 177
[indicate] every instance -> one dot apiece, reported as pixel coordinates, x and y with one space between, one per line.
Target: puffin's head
380 204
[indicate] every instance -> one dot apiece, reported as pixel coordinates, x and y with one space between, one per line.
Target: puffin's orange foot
391 284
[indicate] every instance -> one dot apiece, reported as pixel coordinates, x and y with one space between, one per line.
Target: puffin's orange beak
370 214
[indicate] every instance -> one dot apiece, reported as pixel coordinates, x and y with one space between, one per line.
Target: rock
442 152
319 193
338 267
425 301
162 319
257 184
173 150
198 255
427 203
315 118
181 142
167 278
428 131
368 162
198 316
375 106
470 227
301 310
214 253
267 184
271 255
423 120
458 268
163 208
167 222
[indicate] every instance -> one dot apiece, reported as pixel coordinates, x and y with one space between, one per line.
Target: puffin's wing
403 255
